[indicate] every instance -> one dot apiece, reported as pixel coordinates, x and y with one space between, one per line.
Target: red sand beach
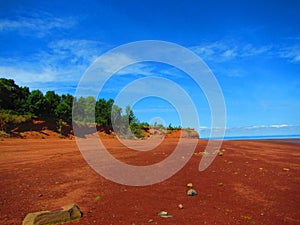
254 182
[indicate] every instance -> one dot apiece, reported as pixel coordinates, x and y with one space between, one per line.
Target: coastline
291 139
283 140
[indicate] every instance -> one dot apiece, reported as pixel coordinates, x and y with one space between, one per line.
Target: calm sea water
257 137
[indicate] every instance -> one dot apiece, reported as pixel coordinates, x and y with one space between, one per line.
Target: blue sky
252 47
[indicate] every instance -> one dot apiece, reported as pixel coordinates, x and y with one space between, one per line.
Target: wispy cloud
45 75
267 126
110 63
224 50
291 53
72 52
63 61
37 23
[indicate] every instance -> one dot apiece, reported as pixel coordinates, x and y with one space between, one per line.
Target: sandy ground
247 185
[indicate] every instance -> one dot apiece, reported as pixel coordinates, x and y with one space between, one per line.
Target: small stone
150 221
164 214
220 184
190 185
286 169
180 206
40 195
192 192
220 154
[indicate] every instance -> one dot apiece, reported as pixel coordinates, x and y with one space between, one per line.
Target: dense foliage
18 104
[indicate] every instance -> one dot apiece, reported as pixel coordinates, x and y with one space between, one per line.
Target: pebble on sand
180 206
192 192
190 185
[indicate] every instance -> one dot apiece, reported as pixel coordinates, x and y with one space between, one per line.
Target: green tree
13 97
64 112
64 109
78 110
129 115
37 103
52 101
84 110
89 109
103 111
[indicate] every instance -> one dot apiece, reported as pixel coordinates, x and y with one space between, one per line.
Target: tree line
19 104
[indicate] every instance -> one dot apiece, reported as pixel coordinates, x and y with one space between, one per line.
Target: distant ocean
296 136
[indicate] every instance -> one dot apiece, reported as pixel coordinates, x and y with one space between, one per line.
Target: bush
8 118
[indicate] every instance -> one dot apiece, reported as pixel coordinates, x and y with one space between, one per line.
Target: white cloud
110 63
292 53
23 77
249 50
36 23
78 51
224 50
264 126
204 128
279 125
63 61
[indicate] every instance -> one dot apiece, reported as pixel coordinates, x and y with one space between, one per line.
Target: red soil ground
47 173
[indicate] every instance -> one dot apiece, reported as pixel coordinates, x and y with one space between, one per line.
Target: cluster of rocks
191 191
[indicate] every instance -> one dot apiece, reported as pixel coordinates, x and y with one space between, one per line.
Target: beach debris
164 214
286 169
192 192
97 198
190 185
66 213
180 206
216 151
220 184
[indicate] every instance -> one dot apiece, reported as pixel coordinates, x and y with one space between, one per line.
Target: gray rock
192 192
